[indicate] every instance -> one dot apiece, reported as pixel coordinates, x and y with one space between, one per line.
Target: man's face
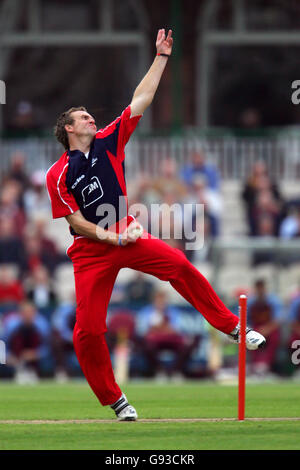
198 159
83 124
160 300
260 289
28 313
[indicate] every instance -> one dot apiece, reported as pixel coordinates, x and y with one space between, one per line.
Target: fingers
131 238
128 236
169 34
169 38
135 230
161 35
162 32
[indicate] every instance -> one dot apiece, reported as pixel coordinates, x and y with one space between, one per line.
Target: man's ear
69 128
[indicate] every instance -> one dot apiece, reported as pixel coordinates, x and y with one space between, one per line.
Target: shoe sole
127 419
260 346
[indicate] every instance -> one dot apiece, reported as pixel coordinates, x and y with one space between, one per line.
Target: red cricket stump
242 356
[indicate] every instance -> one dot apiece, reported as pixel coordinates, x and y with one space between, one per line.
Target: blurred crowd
164 339
268 213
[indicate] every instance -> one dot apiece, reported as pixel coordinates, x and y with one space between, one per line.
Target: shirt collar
74 153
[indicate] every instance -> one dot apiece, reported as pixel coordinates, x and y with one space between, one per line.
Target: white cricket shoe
127 414
123 410
254 340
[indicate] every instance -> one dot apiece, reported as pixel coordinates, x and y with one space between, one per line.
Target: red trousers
96 266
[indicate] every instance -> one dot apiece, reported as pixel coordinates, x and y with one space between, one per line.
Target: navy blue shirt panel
93 180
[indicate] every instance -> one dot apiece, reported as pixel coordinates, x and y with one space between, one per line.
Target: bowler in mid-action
90 174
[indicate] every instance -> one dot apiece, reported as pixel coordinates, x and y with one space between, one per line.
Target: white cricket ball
136 231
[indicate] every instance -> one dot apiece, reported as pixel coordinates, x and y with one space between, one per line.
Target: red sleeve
127 126
62 202
118 132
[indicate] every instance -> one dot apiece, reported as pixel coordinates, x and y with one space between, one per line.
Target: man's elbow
75 224
77 229
148 98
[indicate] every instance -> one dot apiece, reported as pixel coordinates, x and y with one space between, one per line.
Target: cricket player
87 179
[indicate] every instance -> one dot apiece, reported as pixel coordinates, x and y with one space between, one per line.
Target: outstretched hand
132 233
164 44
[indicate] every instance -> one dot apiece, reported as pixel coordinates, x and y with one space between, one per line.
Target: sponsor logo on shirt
94 160
77 181
92 192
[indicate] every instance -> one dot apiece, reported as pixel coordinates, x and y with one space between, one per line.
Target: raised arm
145 91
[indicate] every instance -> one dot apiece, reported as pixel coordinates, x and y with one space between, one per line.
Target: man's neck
83 144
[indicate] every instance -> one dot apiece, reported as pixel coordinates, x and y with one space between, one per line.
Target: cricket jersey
94 183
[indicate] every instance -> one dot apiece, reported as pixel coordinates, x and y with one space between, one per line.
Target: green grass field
75 401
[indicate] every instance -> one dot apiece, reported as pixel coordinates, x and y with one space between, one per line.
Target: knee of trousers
182 267
92 318
83 335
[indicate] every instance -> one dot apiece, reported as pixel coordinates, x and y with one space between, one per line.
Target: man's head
75 122
198 159
160 299
27 312
260 288
169 168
